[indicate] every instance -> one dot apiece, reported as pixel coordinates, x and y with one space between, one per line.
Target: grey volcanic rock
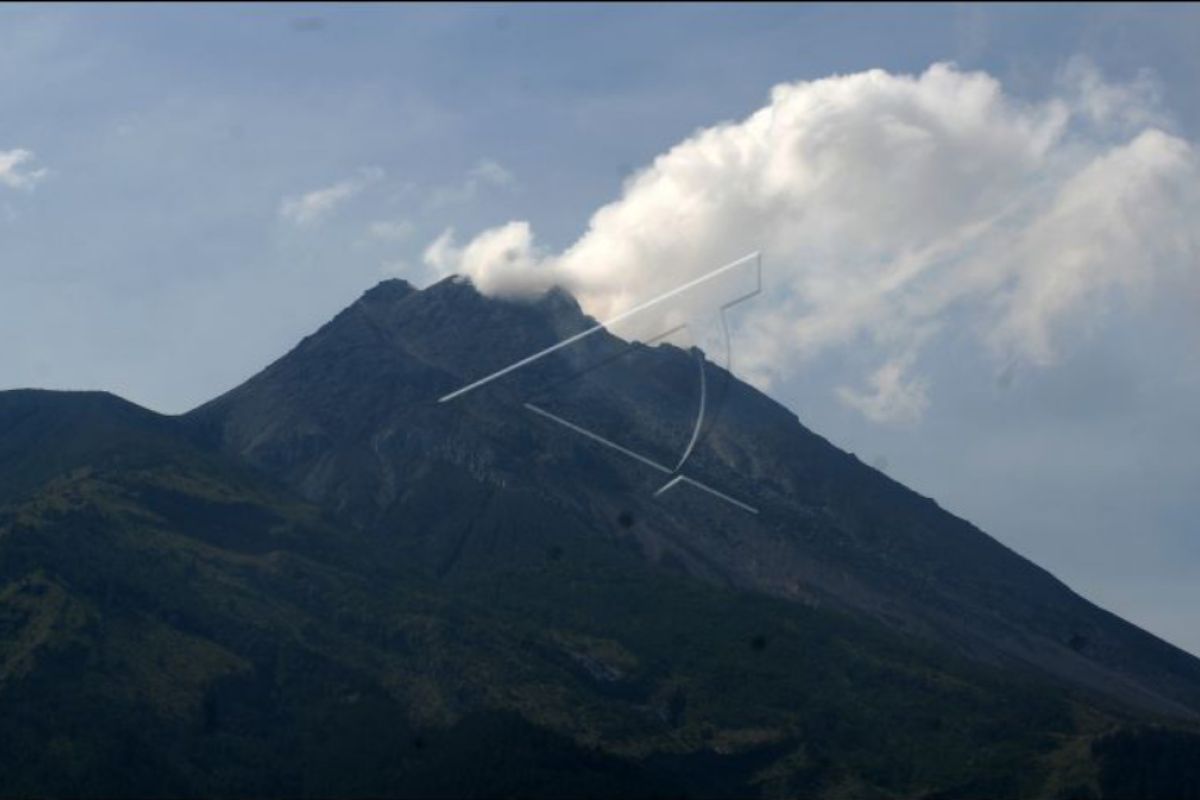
350 419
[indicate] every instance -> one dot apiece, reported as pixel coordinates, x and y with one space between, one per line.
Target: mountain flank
324 582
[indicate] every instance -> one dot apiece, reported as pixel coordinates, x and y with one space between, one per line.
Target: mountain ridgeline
326 582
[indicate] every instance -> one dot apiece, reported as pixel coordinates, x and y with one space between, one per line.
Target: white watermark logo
698 307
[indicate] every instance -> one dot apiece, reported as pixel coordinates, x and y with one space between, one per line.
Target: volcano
327 582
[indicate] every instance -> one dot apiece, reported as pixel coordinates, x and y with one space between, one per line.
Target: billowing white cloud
309 207
502 261
884 204
15 172
1124 220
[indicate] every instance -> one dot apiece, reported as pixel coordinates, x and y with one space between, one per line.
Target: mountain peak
351 420
582 580
388 291
461 291
457 294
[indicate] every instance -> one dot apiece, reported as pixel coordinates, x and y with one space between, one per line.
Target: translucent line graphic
675 481
678 479
666 487
605 362
596 438
698 430
601 326
699 416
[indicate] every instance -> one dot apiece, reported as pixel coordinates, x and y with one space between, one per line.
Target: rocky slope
327 583
173 624
350 420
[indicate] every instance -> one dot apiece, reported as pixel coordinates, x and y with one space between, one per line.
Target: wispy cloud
486 173
388 230
15 171
310 207
893 396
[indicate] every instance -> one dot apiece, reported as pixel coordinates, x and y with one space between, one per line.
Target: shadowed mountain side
173 624
350 419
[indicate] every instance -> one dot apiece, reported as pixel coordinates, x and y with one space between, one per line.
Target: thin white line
597 438
699 416
571 340
665 334
666 486
654 464
714 492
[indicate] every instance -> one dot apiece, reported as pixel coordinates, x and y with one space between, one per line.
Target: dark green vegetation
351 591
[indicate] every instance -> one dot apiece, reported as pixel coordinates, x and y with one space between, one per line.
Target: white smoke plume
882 202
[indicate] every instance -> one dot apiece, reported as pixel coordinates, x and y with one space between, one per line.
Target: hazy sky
984 274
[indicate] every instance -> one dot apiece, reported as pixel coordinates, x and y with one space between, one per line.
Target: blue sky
191 189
